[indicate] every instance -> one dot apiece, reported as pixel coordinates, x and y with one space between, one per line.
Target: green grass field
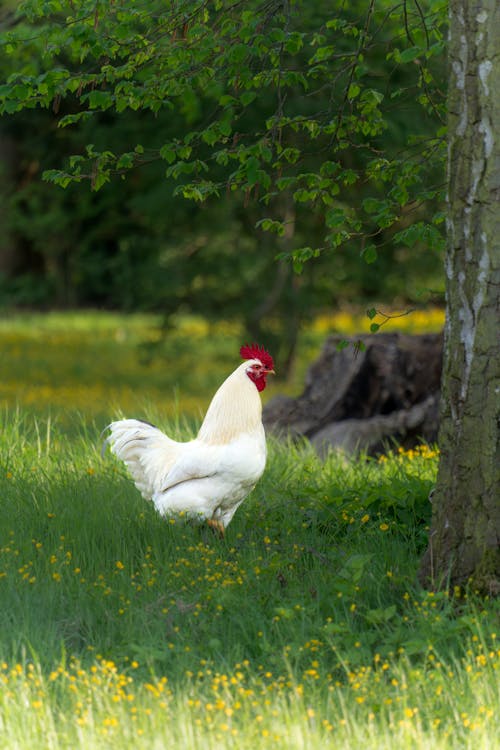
304 628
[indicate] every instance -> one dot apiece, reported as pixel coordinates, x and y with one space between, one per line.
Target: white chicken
209 477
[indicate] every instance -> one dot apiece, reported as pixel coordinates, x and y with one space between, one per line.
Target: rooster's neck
236 408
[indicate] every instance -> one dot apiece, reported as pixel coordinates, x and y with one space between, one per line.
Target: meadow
303 628
101 364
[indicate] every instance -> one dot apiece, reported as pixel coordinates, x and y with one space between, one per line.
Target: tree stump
362 399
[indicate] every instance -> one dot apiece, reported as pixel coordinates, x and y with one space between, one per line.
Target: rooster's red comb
254 351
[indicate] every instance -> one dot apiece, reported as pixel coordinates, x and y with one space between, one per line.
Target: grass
304 628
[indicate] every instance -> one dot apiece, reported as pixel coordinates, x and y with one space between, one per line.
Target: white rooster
209 477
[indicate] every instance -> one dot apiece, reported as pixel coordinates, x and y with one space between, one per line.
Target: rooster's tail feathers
147 452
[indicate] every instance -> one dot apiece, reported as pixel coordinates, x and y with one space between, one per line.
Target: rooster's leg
216 527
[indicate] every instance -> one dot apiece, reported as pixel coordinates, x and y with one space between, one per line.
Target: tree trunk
464 541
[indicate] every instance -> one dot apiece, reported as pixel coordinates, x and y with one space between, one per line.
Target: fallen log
364 398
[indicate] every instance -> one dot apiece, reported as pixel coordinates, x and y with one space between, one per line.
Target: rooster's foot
217 527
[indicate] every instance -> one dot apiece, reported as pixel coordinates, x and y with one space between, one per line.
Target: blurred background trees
245 132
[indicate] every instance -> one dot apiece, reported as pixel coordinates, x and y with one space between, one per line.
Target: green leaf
100 179
400 194
374 327
302 255
73 119
225 128
335 217
226 100
238 52
294 42
410 54
303 196
353 91
359 346
265 152
284 183
369 254
21 91
210 136
323 53
168 154
373 96
57 177
292 155
100 100
374 205
221 157
270 225
247 97
252 167
126 161
371 313
184 152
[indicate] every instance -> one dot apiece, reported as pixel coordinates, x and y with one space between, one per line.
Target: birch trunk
464 540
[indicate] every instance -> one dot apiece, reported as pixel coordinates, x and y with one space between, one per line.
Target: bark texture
464 541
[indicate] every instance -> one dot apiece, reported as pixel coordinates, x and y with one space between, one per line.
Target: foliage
321 128
120 626
142 59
